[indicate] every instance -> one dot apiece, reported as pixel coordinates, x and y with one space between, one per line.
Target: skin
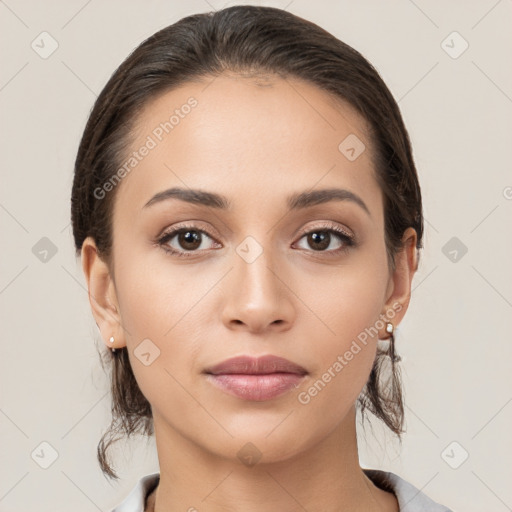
256 143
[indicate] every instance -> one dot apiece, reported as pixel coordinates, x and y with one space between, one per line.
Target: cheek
343 362
161 307
155 296
349 298
350 309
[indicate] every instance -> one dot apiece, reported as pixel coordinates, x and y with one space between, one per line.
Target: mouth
256 379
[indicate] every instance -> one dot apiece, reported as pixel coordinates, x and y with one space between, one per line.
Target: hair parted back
245 40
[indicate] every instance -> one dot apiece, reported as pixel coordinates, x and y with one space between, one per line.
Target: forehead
236 134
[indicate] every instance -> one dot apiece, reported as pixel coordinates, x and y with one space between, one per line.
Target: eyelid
195 225
328 225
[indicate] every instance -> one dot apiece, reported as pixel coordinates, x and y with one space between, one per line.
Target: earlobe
102 295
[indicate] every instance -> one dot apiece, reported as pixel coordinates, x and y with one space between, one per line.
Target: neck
318 479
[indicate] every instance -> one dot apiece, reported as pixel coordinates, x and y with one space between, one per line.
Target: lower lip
256 387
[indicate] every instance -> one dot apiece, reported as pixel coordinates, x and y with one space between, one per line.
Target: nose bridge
257 296
254 264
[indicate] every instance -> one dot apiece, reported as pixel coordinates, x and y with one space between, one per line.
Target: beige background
455 340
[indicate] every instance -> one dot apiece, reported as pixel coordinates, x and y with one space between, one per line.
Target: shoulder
409 497
135 501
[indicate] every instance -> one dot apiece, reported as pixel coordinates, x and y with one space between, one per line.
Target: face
266 268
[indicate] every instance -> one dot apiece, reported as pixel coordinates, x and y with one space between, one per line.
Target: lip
257 379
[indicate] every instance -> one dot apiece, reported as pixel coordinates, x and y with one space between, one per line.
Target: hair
259 41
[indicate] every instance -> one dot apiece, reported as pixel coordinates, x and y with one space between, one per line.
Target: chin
265 443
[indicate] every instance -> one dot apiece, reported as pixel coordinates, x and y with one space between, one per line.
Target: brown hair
254 40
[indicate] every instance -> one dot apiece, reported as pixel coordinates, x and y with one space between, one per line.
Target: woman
249 218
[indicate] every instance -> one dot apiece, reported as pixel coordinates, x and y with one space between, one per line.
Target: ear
398 293
102 295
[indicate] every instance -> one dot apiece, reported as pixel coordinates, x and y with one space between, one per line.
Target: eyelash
347 240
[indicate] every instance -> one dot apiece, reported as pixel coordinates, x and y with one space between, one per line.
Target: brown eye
189 240
319 240
185 241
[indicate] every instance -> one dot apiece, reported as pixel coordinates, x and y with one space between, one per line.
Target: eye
189 239
321 238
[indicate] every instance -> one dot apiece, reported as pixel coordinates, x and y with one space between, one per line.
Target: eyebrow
295 201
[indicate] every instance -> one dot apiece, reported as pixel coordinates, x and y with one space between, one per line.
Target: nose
258 297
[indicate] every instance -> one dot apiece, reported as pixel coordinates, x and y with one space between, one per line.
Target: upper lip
256 366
